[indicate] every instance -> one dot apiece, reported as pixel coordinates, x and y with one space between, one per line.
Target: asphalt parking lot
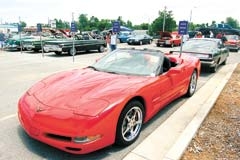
21 70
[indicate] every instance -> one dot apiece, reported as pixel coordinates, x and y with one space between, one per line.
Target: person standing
2 39
108 41
113 41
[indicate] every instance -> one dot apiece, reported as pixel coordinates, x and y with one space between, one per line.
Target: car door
169 85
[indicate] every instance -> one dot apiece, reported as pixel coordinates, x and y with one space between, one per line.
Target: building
10 27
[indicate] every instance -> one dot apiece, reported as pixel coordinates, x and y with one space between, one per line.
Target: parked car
15 43
233 42
35 44
81 43
83 110
169 39
123 36
140 39
210 51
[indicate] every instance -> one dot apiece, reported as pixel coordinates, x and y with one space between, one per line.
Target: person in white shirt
113 41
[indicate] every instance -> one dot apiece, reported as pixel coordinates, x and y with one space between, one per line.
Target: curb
171 138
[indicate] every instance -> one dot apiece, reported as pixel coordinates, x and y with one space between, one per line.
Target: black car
140 39
210 51
81 43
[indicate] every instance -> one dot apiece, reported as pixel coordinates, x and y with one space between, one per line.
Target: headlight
86 139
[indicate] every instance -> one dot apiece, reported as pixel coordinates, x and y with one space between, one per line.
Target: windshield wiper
112 72
95 69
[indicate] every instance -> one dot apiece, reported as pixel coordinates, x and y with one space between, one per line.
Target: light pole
190 19
164 17
191 11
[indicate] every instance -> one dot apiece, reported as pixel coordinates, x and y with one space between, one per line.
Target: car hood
86 91
165 34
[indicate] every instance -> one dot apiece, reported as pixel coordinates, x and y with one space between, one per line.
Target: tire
72 52
129 123
101 49
192 84
58 53
213 69
224 62
35 50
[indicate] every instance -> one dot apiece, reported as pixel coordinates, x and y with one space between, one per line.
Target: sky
40 11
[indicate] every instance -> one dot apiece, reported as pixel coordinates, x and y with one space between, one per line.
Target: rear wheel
192 84
101 49
130 123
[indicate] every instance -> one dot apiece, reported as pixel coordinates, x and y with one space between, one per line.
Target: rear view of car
169 39
211 52
233 42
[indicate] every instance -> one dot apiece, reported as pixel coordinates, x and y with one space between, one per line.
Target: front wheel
192 84
72 51
129 123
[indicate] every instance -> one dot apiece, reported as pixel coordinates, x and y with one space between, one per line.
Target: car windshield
130 62
138 36
231 37
199 45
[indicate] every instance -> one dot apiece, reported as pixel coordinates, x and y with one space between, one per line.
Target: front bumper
232 47
12 47
59 129
52 48
209 63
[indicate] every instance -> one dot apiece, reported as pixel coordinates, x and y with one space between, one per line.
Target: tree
93 23
104 24
23 24
61 24
232 22
83 24
170 23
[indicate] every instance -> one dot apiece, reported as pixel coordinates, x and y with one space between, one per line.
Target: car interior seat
166 64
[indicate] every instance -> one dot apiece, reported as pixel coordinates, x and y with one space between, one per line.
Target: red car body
169 39
87 104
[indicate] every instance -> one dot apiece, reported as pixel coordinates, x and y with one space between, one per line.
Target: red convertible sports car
83 110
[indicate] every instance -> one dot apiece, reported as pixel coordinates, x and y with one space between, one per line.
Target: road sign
39 27
116 26
73 27
183 27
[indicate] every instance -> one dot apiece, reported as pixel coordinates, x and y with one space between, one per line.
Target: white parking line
8 117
